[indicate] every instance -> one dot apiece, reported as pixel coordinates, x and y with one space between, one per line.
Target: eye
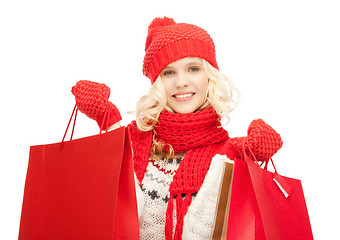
193 69
168 72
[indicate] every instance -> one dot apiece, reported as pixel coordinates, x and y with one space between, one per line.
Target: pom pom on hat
160 22
168 41
155 25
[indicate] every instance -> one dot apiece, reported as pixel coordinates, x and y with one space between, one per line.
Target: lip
183 96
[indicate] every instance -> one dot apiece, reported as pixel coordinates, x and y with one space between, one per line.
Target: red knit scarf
199 135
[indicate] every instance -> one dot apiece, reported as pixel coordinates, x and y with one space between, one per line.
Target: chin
183 110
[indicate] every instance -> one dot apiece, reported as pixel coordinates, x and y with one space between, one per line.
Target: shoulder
137 134
140 141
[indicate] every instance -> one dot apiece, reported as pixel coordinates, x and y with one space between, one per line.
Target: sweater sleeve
200 218
229 150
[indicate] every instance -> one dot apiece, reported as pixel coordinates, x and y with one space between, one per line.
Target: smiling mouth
183 95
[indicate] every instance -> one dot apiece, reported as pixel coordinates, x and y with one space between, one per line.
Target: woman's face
185 84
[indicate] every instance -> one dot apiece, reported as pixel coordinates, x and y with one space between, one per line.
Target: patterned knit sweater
153 196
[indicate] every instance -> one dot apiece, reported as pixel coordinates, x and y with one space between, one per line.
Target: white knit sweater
153 196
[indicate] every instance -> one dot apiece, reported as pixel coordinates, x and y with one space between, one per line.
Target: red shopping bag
78 190
266 205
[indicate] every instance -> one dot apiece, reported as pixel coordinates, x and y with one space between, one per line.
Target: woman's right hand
92 99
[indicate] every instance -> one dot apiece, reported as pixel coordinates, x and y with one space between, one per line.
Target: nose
181 80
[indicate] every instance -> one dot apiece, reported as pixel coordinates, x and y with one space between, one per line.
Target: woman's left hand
262 139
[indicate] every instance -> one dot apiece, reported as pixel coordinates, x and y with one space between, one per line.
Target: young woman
179 145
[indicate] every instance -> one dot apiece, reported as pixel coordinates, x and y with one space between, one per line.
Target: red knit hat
168 41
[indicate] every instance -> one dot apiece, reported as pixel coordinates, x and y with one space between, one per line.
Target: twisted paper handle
278 179
74 112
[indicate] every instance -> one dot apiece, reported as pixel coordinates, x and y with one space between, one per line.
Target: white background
283 56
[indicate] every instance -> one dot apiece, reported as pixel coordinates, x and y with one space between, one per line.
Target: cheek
203 86
166 86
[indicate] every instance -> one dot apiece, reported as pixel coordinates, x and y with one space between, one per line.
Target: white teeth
184 95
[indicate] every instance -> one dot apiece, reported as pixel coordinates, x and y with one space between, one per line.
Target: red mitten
92 99
263 141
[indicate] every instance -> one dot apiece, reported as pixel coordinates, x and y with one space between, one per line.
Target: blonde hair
221 95
150 106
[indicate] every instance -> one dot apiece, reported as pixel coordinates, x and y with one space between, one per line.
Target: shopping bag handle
278 179
251 152
75 111
253 155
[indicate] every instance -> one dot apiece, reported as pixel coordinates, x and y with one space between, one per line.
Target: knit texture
155 189
92 100
199 220
262 139
168 41
199 135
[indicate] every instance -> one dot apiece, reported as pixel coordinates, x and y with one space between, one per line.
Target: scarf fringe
182 207
169 218
180 219
179 205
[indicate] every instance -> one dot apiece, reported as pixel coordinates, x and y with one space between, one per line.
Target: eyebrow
187 64
194 63
167 67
